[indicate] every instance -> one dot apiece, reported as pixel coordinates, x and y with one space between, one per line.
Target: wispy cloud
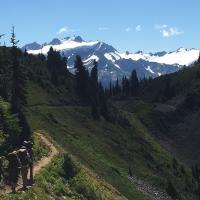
65 30
103 28
129 29
157 26
167 31
138 28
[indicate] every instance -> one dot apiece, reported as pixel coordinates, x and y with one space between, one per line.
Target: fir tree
103 102
125 86
57 67
171 190
198 61
82 80
169 90
134 83
117 87
18 99
110 89
94 91
94 75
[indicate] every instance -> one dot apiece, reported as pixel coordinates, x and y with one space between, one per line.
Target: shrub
69 167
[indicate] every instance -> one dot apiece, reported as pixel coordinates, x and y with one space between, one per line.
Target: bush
171 190
69 167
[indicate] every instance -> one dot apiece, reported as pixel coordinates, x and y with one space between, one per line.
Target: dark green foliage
57 66
130 172
9 128
134 84
127 88
70 170
94 75
95 111
171 190
18 99
168 89
82 80
94 91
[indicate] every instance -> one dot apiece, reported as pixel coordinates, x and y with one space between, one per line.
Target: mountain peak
32 46
75 38
181 49
55 41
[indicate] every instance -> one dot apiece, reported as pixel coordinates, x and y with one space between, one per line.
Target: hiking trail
44 161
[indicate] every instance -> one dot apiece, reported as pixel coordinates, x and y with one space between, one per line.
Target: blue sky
148 25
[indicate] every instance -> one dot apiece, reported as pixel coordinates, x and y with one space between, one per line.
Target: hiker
1 168
29 147
25 160
14 166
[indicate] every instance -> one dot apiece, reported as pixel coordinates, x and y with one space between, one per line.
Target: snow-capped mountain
113 64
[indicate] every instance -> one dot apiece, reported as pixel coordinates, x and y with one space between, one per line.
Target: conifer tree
57 67
103 102
82 80
110 89
169 90
18 99
198 61
94 91
134 83
117 87
5 74
94 74
125 86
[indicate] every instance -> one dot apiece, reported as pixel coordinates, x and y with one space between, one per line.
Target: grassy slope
106 148
52 183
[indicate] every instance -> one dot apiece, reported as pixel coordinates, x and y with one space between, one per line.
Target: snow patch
150 70
109 57
180 57
65 45
93 57
117 66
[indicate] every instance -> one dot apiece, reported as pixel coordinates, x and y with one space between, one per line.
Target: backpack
14 161
24 157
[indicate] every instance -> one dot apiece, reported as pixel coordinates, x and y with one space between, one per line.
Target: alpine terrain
113 64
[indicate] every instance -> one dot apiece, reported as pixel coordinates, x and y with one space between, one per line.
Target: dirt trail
38 165
45 160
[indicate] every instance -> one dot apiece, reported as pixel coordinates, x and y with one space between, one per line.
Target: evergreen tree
171 190
198 61
94 91
103 102
110 89
117 87
82 80
134 83
94 74
125 86
5 74
57 67
18 99
9 125
169 90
